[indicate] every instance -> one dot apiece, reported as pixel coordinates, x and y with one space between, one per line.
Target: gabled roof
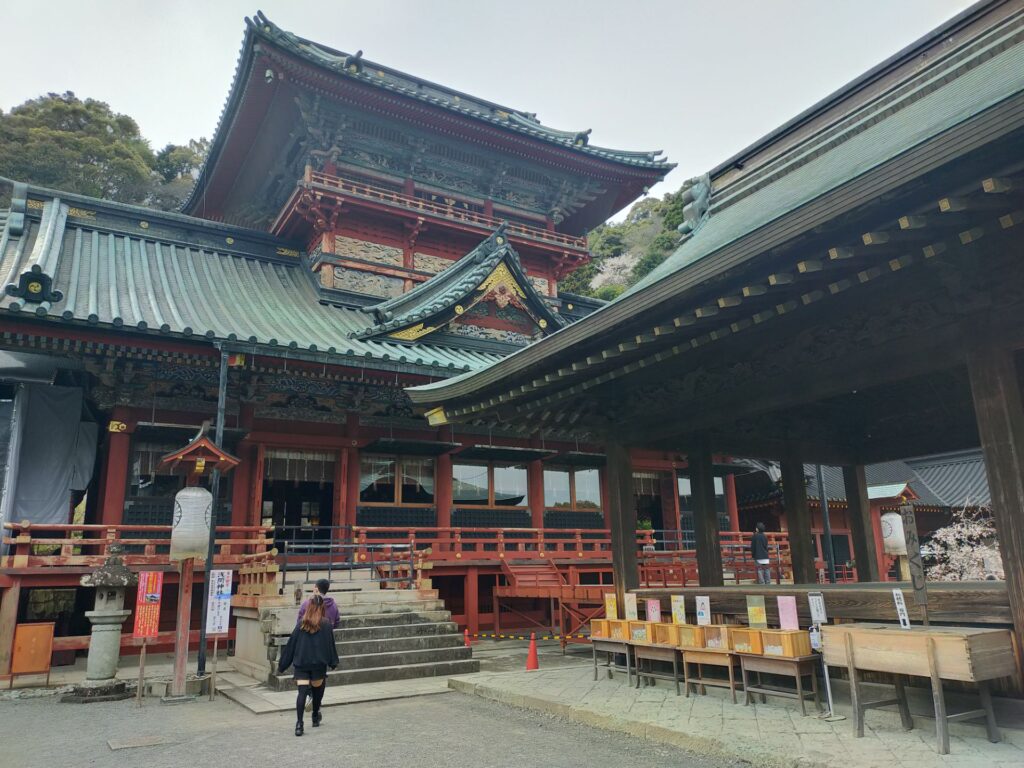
450 292
110 265
355 68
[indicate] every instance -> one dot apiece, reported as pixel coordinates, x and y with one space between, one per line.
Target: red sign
147 604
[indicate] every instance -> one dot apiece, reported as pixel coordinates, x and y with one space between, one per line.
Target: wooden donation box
967 654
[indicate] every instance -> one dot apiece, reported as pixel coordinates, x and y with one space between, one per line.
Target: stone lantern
106 617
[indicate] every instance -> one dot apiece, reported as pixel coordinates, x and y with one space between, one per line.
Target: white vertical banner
218 608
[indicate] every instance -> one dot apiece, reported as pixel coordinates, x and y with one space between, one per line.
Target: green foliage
645 238
609 292
63 142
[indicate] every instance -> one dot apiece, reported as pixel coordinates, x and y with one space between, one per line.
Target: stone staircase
384 634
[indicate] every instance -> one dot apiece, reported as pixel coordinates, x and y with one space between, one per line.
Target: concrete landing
260 699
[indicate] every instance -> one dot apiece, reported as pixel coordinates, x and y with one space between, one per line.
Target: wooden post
8 622
1000 414
142 674
622 520
443 491
535 486
115 472
858 515
471 597
798 519
731 506
705 518
213 674
185 568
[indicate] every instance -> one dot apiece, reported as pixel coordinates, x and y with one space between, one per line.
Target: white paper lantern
190 533
892 534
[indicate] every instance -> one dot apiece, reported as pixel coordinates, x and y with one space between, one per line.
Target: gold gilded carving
117 426
81 213
287 252
501 276
412 333
38 204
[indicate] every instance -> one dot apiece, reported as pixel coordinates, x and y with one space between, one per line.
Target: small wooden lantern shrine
200 457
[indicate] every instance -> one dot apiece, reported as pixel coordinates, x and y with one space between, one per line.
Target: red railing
450 212
48 546
678 568
455 544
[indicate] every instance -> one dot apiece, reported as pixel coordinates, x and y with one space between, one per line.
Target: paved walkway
764 734
450 731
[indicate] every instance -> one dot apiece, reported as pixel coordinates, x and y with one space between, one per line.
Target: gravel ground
450 730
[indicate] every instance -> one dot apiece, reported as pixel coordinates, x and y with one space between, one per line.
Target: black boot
317 693
300 706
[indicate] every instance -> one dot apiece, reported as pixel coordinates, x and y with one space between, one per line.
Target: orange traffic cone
531 655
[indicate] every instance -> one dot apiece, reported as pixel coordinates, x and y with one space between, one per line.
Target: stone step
381 674
390 607
281 620
382 632
380 628
392 618
388 645
404 658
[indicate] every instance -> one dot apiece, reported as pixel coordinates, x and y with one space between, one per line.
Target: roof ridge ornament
696 199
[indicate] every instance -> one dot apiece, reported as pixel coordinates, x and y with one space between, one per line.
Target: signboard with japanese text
901 608
630 606
218 612
914 554
703 610
611 606
816 600
653 610
678 609
147 605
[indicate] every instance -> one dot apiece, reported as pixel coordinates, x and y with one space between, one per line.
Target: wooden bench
710 657
967 654
612 648
663 653
796 667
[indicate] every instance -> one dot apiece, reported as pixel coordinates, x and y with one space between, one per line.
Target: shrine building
355 230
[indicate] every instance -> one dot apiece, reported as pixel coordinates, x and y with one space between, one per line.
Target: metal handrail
361 552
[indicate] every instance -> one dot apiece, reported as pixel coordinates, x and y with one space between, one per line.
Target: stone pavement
764 734
452 731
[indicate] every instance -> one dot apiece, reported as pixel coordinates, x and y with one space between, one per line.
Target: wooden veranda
851 294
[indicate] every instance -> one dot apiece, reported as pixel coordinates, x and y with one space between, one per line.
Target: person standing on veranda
759 554
311 650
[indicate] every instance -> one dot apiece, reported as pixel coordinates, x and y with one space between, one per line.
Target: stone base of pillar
92 692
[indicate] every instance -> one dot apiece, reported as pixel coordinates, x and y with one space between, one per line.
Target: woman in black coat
311 650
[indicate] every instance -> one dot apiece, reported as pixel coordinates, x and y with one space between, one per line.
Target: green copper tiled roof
941 97
446 289
167 275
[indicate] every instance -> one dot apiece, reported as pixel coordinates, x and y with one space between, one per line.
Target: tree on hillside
83 146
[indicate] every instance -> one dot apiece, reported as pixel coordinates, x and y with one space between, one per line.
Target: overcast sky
699 79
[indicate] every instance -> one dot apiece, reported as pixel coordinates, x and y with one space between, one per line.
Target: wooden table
711 657
612 647
795 667
666 653
968 654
